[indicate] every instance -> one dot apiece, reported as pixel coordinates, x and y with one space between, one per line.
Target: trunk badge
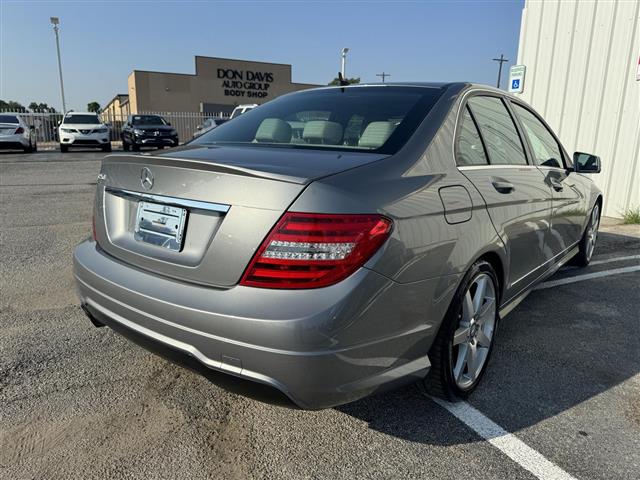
146 178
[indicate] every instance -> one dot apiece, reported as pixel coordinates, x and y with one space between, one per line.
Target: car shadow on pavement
560 347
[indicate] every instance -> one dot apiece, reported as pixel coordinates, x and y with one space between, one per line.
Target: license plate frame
161 225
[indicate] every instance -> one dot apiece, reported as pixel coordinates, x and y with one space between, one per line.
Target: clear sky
103 41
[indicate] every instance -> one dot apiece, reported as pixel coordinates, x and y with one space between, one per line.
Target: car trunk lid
212 205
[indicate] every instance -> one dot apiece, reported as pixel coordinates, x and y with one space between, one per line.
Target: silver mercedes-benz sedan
340 241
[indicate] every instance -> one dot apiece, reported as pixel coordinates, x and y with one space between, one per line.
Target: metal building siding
581 60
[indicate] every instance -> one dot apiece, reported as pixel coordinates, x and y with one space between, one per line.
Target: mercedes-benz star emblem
146 178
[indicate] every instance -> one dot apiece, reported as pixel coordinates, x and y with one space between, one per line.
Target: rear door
493 157
568 213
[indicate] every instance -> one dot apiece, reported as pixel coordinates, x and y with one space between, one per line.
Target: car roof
440 85
80 113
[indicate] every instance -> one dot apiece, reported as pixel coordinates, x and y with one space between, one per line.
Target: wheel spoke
461 335
478 297
482 339
461 361
485 309
473 361
467 309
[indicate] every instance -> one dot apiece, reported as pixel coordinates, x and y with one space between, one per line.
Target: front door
568 212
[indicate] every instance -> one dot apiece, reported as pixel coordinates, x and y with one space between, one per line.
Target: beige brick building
218 85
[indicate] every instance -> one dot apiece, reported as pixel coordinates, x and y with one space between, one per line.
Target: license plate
161 225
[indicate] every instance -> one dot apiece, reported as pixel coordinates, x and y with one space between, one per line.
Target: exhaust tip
94 320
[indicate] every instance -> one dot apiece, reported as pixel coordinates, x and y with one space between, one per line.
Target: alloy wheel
472 338
592 231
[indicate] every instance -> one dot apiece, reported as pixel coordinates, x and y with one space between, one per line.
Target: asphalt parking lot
562 391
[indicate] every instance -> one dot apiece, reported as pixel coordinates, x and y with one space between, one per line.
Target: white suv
83 129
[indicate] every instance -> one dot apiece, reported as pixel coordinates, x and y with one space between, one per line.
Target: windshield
148 120
8 119
82 118
379 119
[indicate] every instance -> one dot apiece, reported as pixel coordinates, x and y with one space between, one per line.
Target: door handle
557 186
503 187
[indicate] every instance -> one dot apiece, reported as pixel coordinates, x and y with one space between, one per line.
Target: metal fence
46 123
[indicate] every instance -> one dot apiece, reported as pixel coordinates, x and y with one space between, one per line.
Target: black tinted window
8 119
377 119
148 120
498 131
546 151
79 118
470 150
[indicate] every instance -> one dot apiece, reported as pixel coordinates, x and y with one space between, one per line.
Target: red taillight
19 130
310 250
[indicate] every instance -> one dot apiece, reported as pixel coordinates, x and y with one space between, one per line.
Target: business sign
516 78
245 83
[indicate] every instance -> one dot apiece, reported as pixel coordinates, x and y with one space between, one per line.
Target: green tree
93 107
41 107
12 106
350 81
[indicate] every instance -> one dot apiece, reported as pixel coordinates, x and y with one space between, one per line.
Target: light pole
55 21
344 60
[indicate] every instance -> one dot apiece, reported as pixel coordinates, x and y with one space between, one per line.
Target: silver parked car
15 133
341 241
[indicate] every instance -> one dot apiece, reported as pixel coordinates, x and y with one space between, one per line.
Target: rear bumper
13 141
319 347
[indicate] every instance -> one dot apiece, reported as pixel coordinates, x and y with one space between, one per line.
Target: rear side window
8 119
498 131
470 150
546 151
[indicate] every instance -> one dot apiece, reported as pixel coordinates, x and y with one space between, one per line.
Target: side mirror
32 127
169 123
199 127
586 163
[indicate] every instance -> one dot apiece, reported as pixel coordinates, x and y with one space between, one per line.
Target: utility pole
383 75
344 61
55 21
501 60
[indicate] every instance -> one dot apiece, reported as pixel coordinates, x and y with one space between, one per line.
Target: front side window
546 151
469 149
498 131
379 119
81 119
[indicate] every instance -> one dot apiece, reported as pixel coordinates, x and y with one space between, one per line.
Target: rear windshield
8 119
148 120
80 118
378 119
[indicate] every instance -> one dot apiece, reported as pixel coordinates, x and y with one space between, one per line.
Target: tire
589 238
125 145
28 148
106 148
160 147
35 147
467 332
135 148
64 148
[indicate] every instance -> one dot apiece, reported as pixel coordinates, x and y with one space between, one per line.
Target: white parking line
615 259
507 443
587 276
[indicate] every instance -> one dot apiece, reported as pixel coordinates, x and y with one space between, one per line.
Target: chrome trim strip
178 202
545 263
494 166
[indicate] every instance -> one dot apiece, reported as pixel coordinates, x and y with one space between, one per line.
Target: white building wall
581 59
